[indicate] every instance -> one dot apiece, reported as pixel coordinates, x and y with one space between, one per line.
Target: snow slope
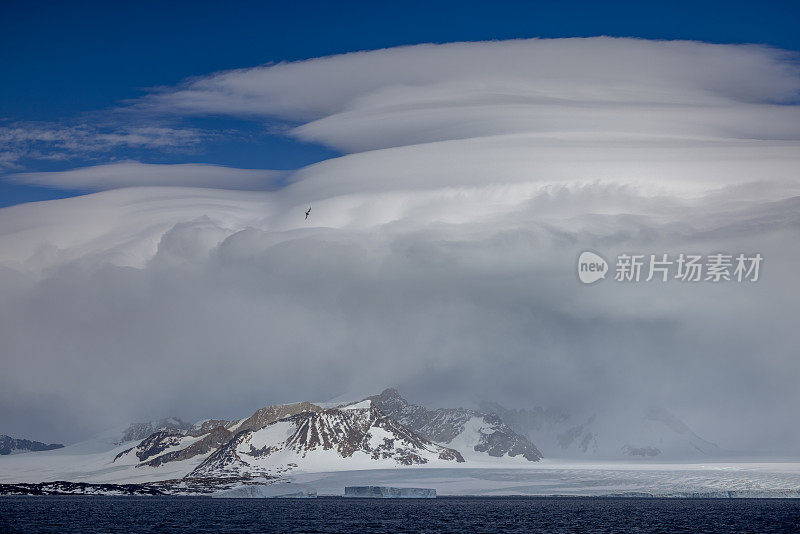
90 461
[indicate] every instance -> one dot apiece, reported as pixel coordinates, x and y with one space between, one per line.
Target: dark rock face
78 488
503 442
157 443
225 461
212 440
10 445
445 424
167 487
123 453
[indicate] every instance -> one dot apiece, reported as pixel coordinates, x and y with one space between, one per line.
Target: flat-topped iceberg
387 492
267 491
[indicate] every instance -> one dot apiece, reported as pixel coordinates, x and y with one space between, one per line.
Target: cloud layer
441 249
21 141
133 173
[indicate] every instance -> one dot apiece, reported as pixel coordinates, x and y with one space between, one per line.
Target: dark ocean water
456 514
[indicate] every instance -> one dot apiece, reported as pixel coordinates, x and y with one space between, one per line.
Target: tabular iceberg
386 492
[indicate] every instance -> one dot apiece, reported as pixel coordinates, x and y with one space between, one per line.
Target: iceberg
387 492
267 491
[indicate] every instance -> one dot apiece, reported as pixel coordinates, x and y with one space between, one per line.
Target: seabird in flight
308 212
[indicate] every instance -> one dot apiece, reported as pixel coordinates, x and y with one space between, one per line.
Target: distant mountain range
380 432
383 431
628 433
9 445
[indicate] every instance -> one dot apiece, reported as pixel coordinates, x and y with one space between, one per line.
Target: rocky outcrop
225 462
165 487
157 443
214 439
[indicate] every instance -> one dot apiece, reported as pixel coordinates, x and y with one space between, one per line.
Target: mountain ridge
482 432
9 445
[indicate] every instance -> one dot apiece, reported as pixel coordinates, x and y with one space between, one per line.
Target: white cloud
53 141
424 93
132 173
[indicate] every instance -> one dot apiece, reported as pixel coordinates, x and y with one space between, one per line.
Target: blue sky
67 66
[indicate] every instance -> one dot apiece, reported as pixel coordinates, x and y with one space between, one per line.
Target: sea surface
89 514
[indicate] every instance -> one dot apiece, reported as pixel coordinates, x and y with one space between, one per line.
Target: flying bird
308 212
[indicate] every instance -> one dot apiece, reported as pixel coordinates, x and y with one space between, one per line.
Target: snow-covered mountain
271 443
350 437
631 433
382 437
476 434
380 432
9 445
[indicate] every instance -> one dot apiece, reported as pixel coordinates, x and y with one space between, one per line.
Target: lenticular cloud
679 118
440 251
